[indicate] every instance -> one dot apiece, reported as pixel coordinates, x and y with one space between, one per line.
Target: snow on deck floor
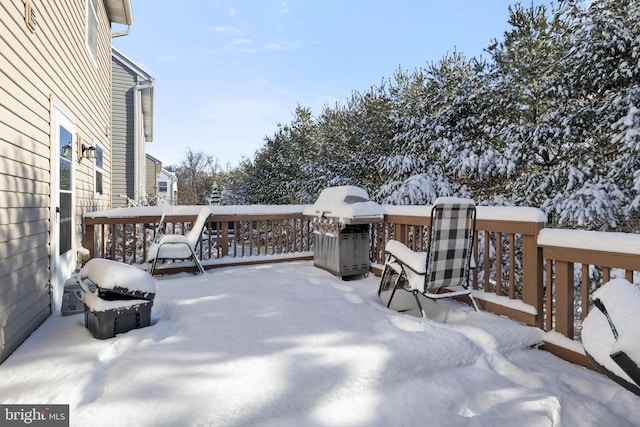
290 344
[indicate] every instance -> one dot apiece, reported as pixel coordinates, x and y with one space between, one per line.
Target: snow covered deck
535 275
289 344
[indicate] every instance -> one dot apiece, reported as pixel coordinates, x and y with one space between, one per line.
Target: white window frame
91 30
166 186
97 169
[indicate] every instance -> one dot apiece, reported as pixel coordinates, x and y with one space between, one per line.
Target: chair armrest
416 261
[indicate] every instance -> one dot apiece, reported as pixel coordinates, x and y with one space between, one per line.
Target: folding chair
442 271
610 332
170 247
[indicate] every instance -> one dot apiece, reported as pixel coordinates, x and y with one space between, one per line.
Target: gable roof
145 83
153 159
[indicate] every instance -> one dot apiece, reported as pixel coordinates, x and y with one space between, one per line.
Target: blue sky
227 72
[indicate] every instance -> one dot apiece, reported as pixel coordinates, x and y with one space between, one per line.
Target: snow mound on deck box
108 274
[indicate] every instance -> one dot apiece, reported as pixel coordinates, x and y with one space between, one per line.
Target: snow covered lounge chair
611 333
178 246
445 265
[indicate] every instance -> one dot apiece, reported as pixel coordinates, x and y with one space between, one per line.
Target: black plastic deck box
117 297
109 323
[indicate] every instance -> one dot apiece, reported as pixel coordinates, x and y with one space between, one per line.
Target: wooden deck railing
522 269
580 262
230 236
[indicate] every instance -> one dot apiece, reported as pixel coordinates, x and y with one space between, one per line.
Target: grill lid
347 205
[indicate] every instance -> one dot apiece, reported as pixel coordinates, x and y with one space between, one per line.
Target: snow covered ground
292 345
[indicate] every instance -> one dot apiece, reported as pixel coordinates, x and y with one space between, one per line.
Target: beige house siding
49 65
154 166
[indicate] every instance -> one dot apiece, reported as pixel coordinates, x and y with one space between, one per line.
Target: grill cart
341 219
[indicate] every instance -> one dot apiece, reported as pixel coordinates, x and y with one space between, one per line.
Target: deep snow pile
289 344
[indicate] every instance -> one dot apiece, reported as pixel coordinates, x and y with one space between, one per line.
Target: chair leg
473 301
196 261
395 286
391 297
415 295
153 266
384 278
199 266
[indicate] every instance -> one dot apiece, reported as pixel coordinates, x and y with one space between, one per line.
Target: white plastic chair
177 246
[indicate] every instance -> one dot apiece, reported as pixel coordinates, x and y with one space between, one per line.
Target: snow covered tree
348 140
525 116
551 120
422 165
277 173
603 74
237 185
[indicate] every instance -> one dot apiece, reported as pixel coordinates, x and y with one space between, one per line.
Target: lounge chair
171 247
610 333
442 271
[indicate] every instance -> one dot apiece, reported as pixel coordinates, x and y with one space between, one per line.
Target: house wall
167 198
123 136
151 177
51 64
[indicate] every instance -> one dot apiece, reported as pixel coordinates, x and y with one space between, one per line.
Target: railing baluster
487 267
498 263
512 266
476 260
135 242
584 291
564 298
549 296
113 243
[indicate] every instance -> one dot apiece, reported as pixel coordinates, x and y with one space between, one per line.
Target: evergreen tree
277 172
348 141
420 167
550 120
603 75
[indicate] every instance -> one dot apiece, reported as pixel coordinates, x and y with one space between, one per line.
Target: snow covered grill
341 218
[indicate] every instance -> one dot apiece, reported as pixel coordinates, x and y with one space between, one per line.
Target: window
99 172
162 186
91 36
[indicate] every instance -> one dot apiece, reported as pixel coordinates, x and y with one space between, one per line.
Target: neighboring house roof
153 159
169 174
145 84
119 11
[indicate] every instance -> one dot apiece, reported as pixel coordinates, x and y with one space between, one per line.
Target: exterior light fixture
88 152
